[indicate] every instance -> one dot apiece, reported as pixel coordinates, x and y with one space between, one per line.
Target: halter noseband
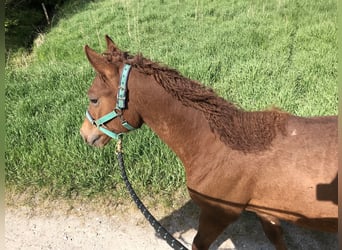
117 112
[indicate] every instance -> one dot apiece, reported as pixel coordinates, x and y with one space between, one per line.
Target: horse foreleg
212 222
273 230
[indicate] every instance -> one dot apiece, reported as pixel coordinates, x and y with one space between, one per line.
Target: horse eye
93 100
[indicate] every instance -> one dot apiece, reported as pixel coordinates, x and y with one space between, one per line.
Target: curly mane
241 130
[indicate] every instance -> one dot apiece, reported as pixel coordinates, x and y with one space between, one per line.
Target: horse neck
180 127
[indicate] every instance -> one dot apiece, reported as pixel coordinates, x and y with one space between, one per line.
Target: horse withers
277 165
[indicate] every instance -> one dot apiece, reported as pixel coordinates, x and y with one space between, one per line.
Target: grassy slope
254 53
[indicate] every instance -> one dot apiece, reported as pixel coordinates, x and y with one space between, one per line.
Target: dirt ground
65 225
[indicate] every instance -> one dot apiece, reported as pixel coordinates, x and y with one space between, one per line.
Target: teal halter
117 112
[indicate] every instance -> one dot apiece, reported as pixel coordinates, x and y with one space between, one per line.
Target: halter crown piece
120 106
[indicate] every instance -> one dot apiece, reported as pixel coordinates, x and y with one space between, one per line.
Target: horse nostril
93 139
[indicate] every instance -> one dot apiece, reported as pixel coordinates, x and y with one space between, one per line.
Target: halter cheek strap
117 112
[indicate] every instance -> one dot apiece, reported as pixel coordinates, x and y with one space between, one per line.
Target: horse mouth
96 140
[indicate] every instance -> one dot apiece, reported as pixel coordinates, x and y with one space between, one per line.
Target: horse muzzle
92 136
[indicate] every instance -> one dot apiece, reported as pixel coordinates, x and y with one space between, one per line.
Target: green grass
255 53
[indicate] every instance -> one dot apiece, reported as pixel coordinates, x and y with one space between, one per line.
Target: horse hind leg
212 222
273 230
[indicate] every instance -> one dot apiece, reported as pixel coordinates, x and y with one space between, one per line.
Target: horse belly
322 217
296 197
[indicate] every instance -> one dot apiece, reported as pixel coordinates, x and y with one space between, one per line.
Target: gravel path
79 227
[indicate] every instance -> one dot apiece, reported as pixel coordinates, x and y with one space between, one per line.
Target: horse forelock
241 130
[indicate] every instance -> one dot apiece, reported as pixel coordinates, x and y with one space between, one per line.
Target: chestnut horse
277 165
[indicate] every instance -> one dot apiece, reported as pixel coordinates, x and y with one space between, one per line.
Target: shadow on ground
246 232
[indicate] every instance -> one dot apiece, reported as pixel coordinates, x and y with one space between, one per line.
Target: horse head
111 110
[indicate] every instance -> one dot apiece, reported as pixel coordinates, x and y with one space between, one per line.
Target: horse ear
99 62
111 47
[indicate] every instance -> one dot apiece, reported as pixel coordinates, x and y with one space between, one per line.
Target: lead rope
175 244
